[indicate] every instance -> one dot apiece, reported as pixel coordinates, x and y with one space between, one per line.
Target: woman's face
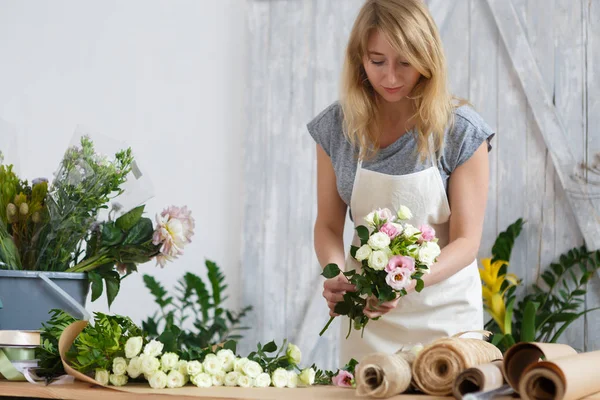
392 77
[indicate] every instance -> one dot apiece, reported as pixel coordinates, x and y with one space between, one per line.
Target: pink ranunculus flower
427 233
174 229
390 230
399 278
385 213
396 262
343 378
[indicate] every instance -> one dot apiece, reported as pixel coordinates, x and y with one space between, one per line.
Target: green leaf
508 318
157 291
342 308
96 284
330 271
528 323
113 284
111 235
230 345
497 338
578 292
353 250
126 221
420 285
363 233
141 232
504 243
270 347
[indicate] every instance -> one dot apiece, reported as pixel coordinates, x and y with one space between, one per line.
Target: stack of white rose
223 368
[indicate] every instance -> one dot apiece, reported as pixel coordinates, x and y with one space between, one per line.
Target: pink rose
399 278
385 213
427 233
343 378
390 230
400 262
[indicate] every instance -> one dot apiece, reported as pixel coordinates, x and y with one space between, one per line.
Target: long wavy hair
409 28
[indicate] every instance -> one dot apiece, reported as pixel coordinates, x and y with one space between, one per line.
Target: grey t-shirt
399 158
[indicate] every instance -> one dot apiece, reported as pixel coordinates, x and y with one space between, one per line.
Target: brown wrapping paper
522 355
383 375
566 378
482 378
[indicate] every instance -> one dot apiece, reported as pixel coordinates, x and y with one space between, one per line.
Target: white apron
443 309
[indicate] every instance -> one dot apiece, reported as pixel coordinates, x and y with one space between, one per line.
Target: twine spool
383 375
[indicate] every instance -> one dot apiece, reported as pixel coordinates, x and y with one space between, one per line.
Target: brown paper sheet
19 338
565 378
522 355
483 377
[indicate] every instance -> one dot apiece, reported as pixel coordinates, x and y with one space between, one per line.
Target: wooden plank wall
295 55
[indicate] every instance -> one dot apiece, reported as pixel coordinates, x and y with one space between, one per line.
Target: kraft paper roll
481 378
383 375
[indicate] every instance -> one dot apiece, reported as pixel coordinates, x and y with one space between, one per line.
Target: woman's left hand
374 310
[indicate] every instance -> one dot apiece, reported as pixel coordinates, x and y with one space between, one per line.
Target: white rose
294 355
378 260
404 213
182 368
102 376
292 379
379 241
119 366
280 378
428 253
168 361
212 364
194 368
175 379
307 376
410 230
252 369
158 380
118 380
153 348
149 364
218 379
363 252
134 369
202 380
231 378
245 381
398 227
413 250
370 218
263 380
133 346
227 358
238 364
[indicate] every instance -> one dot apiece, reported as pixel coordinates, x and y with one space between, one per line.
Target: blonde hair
411 31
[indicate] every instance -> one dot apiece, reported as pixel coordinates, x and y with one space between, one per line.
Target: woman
398 137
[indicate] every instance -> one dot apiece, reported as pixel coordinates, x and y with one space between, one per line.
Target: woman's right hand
333 291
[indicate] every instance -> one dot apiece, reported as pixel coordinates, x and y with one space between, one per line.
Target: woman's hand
374 310
333 291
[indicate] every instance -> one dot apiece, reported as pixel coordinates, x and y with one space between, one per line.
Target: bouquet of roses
393 253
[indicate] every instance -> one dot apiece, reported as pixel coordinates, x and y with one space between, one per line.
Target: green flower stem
90 263
326 326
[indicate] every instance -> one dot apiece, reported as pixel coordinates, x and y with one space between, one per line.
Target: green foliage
324 377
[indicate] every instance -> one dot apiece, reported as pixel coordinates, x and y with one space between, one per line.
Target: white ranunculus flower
149 364
194 368
168 361
158 380
363 252
245 381
119 366
252 369
410 231
134 368
218 379
227 358
153 348
378 260
238 364
175 379
379 241
280 378
428 253
102 376
292 379
404 213
293 353
263 380
133 346
307 376
212 364
118 380
202 380
231 378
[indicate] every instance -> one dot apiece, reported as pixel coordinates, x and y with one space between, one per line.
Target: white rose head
379 241
212 364
168 361
118 380
134 368
280 378
378 260
227 358
133 346
252 369
119 366
307 377
410 231
182 367
231 378
370 219
238 364
363 252
428 252
202 380
158 380
263 380
102 376
404 213
245 381
218 379
385 214
292 379
153 348
194 368
149 364
293 353
175 379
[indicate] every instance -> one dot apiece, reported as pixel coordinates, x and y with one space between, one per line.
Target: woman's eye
405 64
376 62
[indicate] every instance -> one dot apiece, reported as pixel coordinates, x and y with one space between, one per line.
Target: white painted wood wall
295 52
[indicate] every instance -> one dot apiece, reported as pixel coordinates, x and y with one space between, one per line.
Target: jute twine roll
439 364
383 375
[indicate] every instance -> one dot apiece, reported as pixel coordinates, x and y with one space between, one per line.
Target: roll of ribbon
19 338
9 357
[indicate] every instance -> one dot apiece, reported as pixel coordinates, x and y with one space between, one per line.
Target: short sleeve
465 137
325 127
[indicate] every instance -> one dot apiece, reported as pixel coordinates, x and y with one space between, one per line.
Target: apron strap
432 155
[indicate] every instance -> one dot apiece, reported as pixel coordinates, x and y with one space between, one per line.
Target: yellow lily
493 297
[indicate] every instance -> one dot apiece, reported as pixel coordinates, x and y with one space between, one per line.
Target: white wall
168 77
